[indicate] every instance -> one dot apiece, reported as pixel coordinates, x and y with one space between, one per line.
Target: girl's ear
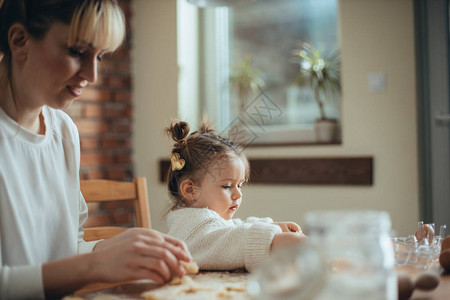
189 190
17 38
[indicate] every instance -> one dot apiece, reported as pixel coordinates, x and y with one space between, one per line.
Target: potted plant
245 79
320 74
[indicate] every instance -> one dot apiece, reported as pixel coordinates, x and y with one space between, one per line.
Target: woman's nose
88 70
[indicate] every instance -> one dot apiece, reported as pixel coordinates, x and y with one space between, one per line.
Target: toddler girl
205 183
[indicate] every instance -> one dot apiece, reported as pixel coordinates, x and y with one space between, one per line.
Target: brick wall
104 116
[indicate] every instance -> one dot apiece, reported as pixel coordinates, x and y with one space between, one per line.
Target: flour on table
214 285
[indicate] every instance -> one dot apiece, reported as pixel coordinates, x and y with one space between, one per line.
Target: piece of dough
191 268
150 296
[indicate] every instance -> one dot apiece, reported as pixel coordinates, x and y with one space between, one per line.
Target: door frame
432 66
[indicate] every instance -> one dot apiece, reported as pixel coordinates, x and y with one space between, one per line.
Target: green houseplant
321 74
245 79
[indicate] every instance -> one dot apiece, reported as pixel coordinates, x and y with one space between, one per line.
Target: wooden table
206 285
442 292
219 285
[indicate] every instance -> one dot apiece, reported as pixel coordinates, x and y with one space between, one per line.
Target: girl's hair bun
179 131
206 127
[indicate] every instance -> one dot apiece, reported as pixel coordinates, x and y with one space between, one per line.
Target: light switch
377 82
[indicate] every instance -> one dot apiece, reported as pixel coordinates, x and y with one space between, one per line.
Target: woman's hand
140 253
289 227
136 253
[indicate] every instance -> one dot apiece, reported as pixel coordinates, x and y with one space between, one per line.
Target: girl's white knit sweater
218 244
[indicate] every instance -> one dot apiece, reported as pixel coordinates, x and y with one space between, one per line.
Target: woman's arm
137 253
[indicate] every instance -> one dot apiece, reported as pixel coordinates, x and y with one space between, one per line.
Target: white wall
154 63
188 62
376 36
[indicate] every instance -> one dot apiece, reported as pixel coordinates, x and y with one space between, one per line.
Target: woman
50 53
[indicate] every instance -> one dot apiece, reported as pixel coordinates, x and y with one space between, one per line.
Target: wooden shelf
306 171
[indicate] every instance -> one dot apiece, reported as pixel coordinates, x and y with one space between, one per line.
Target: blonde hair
100 23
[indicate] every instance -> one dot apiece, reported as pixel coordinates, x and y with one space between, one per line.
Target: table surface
205 285
442 292
217 285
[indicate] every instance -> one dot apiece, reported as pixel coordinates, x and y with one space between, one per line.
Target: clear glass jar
358 252
292 273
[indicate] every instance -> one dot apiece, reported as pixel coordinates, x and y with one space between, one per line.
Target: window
248 68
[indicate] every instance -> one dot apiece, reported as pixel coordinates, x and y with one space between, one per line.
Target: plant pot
326 130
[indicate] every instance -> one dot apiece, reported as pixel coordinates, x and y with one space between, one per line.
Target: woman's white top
41 207
218 244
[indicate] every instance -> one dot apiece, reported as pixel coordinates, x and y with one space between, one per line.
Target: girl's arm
215 246
289 227
259 220
284 239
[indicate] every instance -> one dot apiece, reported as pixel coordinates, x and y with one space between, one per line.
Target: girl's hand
289 227
140 253
285 239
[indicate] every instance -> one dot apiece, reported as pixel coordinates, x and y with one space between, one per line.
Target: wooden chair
99 190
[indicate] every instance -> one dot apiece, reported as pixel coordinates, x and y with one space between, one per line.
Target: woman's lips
234 207
75 91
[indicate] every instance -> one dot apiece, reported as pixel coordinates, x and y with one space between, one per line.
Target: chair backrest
99 190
